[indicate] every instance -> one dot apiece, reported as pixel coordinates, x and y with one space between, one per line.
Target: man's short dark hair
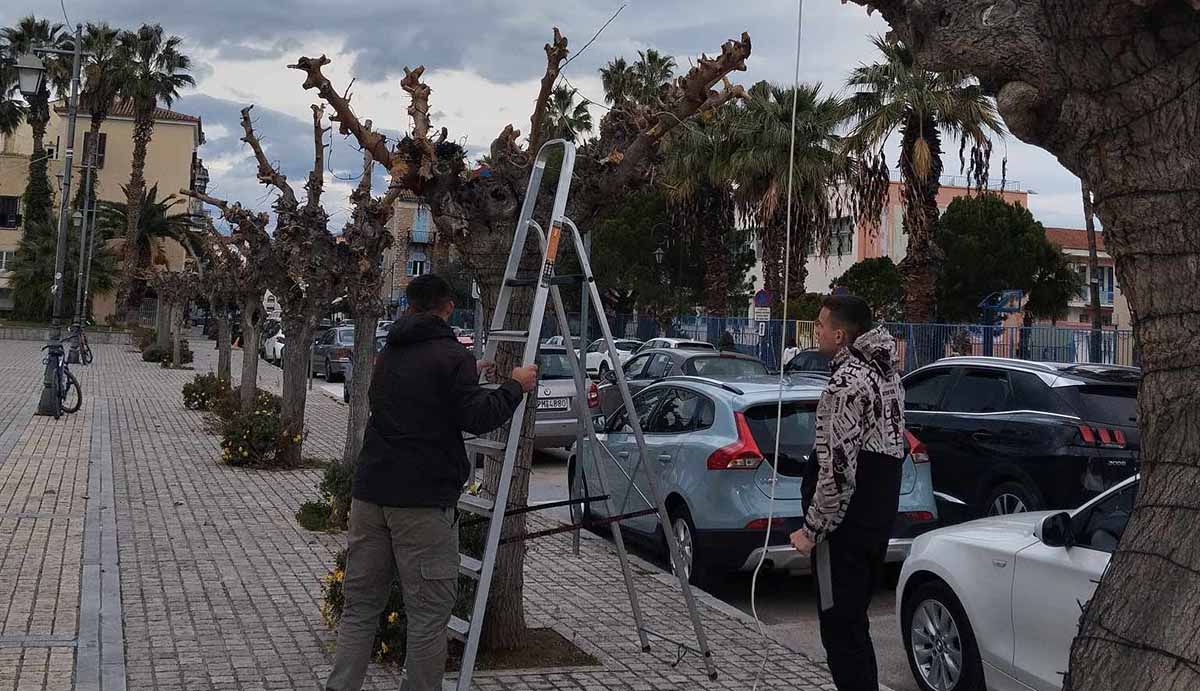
850 313
428 293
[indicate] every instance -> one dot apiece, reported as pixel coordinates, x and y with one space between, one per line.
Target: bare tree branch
348 122
207 199
316 179
556 52
689 95
419 108
267 174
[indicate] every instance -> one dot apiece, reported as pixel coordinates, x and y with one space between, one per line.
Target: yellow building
171 163
411 253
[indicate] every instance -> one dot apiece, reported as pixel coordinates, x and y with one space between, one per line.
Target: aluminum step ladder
545 286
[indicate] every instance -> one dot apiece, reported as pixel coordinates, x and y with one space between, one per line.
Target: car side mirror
610 377
1056 530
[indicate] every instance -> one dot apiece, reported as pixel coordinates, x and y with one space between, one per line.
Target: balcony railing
1085 297
422 236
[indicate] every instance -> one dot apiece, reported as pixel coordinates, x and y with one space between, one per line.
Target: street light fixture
658 255
31 74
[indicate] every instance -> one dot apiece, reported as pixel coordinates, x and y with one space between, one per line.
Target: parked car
598 361
465 337
555 422
674 344
994 603
331 351
808 360
710 444
272 345
380 343
1009 435
559 341
648 367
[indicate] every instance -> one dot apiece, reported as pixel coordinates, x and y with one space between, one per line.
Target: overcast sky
483 60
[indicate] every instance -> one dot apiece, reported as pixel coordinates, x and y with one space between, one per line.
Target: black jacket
424 394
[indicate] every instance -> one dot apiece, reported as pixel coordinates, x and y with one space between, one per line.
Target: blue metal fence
917 344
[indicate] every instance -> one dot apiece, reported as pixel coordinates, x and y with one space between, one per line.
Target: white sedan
272 347
995 603
598 360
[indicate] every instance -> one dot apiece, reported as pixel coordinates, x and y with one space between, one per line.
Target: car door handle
622 454
914 428
664 458
982 435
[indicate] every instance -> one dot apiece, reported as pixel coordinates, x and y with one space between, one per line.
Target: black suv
1007 436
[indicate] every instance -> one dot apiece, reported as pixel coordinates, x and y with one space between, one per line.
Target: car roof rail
707 380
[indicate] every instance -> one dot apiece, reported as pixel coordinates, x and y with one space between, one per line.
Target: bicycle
68 393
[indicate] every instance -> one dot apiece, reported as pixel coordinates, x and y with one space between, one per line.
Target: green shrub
391 634
257 439
231 403
203 392
334 513
143 337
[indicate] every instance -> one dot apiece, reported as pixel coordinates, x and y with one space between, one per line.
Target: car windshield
553 365
1107 405
695 345
724 366
796 438
345 336
627 346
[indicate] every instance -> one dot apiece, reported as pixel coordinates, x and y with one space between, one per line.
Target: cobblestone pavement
130 558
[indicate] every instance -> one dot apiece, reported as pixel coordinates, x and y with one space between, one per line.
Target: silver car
331 351
555 423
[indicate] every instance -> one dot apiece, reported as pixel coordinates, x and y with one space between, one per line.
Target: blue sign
763 298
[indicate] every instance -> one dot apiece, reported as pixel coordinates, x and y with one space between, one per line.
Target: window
421 225
418 264
925 392
796 437
682 411
644 404
1101 527
1031 393
87 148
1104 405
346 336
841 237
596 347
7 258
1108 283
659 367
10 207
980 391
633 368
724 366
554 365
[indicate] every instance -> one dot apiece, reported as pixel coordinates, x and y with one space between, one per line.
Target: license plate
553 403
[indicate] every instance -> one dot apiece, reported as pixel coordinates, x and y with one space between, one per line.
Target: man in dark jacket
851 489
425 393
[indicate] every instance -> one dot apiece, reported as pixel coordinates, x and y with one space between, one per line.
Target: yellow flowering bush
203 392
257 438
332 511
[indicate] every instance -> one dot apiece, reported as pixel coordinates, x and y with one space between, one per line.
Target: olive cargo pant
422 546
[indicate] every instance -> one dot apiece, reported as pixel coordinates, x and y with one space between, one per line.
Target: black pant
845 586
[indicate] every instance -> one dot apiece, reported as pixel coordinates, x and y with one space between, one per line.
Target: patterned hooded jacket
859 441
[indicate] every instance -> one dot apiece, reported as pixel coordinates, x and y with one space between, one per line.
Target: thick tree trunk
177 310
162 322
920 264
224 354
360 383
250 326
1089 220
143 130
299 333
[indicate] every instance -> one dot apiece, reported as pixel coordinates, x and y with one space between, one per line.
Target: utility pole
49 404
1089 219
73 354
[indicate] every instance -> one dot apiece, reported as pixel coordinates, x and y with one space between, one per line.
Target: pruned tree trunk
299 333
250 325
224 354
1109 87
360 383
177 321
1094 350
162 321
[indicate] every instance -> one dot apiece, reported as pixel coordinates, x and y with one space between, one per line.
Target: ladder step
458 628
562 280
521 282
487 447
469 566
479 506
509 336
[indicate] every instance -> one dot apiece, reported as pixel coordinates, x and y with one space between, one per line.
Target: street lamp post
30 73
82 216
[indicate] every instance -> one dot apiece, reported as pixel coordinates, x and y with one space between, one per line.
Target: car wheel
581 514
1013 497
328 371
684 528
940 645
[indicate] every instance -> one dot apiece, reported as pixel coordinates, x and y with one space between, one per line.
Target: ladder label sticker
551 252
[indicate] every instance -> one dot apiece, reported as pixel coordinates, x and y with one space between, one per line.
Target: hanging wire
787 274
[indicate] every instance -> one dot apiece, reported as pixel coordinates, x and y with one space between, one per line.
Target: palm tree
33 271
153 71
619 82
564 117
29 33
101 81
899 95
650 72
12 108
747 147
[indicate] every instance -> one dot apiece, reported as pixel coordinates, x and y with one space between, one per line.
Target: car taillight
918 516
342 353
761 524
916 448
743 454
593 397
1101 436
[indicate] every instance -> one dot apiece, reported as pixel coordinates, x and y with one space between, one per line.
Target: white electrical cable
787 273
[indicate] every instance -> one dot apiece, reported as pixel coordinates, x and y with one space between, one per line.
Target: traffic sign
762 314
763 298
762 328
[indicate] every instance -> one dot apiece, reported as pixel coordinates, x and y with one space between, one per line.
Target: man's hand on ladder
527 377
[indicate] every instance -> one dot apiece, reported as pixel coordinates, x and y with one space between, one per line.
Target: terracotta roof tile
124 109
1073 238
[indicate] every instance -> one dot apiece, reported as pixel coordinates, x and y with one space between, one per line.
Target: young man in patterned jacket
851 488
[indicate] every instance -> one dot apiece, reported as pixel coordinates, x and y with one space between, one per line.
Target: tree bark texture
250 326
921 261
224 354
299 334
38 197
1094 350
360 383
178 314
1110 87
162 321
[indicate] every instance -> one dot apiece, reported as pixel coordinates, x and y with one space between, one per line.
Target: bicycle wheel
72 395
85 354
